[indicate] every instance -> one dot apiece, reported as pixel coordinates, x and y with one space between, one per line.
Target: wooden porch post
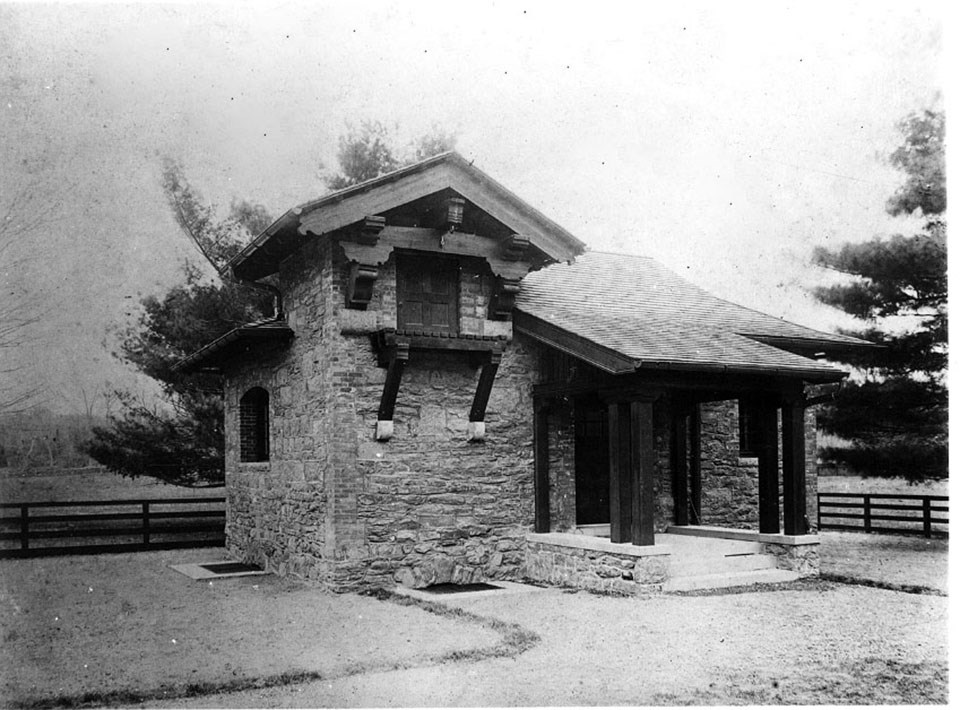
621 494
541 456
681 500
632 458
794 470
768 465
695 479
642 473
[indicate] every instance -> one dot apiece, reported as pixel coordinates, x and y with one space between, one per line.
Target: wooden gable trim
543 234
467 181
376 252
347 207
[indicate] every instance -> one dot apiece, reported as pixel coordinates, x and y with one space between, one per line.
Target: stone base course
594 564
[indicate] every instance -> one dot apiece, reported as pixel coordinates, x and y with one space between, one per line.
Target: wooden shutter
427 294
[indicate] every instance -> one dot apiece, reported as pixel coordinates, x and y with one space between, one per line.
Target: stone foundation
802 558
594 564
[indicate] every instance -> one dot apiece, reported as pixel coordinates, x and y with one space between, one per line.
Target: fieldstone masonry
335 506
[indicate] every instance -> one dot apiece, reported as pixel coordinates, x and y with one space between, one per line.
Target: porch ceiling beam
695 386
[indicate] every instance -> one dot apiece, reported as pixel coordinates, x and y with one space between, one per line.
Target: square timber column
642 464
679 459
632 458
794 469
621 489
768 465
541 466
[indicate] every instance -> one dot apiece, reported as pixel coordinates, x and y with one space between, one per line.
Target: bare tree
26 215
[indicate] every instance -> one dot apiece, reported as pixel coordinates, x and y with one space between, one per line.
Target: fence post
927 522
146 523
24 527
867 523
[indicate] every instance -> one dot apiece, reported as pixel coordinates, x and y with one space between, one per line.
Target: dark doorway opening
592 462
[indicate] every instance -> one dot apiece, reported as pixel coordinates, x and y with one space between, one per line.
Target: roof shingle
644 312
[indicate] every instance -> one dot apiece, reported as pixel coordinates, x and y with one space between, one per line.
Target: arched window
255 425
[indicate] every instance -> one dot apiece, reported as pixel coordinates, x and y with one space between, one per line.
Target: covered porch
662 413
673 480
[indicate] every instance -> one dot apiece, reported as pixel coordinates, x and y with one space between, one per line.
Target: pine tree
896 416
181 440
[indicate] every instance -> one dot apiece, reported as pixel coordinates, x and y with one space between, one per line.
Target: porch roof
236 341
624 313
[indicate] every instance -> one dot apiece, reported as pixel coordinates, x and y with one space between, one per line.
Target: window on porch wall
749 417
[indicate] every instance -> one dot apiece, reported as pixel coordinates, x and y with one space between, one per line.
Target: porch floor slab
728 579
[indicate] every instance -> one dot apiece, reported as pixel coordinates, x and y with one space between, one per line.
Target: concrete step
715 564
728 579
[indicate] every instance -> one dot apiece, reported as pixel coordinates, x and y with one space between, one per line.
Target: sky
727 140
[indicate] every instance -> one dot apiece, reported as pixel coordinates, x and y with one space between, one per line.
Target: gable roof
623 313
447 171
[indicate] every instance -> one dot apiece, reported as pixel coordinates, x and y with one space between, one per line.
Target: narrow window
255 425
749 428
428 294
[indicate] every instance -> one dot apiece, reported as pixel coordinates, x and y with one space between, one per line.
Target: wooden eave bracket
399 355
476 428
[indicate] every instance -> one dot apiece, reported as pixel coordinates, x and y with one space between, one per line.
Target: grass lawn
90 484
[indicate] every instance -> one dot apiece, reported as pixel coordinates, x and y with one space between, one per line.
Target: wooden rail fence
919 514
90 527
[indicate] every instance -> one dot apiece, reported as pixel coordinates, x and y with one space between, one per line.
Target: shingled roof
238 340
630 312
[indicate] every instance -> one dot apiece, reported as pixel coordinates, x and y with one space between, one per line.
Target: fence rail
861 512
90 527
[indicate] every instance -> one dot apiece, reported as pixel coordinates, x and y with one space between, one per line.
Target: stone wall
730 496
334 505
562 479
593 564
804 559
277 509
435 506
730 492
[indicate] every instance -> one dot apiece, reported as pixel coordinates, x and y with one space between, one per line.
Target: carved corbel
504 297
360 285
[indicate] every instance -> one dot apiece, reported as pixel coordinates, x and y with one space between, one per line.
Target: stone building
454 390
